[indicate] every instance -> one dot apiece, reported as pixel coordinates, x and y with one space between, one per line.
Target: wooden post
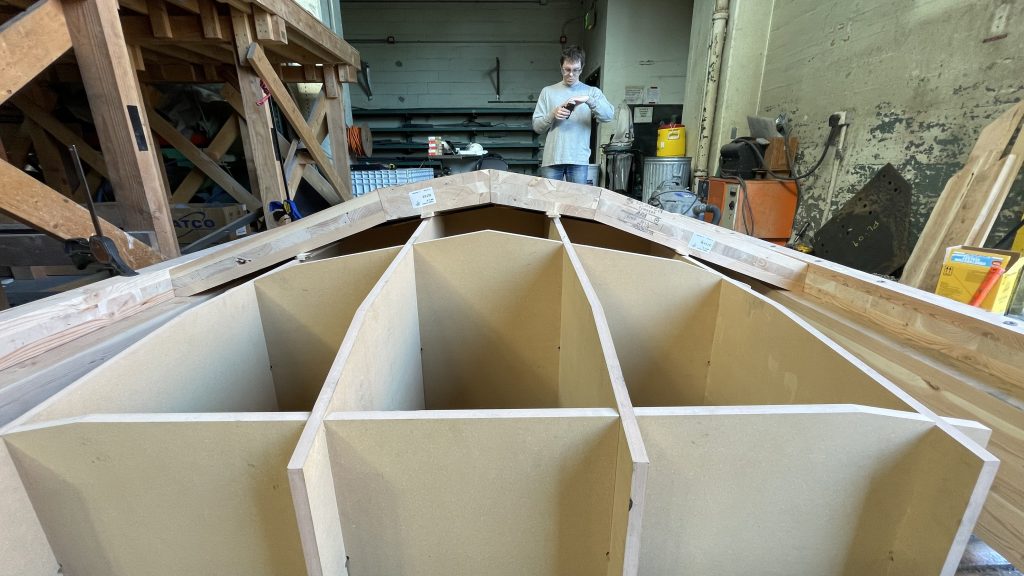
120 117
261 155
336 129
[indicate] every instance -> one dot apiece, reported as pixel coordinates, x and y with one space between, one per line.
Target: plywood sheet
306 311
827 490
479 492
489 319
212 358
662 315
178 495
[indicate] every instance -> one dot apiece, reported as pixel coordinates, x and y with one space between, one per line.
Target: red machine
766 210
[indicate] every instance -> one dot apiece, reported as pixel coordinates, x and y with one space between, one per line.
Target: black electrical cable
764 164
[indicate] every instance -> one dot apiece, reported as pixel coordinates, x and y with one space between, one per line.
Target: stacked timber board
488 392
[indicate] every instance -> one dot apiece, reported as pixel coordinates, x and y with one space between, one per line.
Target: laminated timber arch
503 369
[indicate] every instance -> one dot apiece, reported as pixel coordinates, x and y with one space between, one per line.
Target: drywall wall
647 44
444 52
919 79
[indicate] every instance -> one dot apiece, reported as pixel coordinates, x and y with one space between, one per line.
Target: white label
653 95
634 94
701 243
422 197
643 115
241 231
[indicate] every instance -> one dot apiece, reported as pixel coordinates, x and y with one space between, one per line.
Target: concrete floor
980 560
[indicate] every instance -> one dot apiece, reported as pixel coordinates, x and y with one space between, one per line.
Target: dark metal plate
871 231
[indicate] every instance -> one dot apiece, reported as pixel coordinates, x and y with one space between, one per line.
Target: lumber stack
970 203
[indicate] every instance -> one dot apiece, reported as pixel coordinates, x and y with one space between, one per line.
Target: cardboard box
191 221
965 268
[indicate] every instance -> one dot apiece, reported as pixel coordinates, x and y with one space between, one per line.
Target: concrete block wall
444 52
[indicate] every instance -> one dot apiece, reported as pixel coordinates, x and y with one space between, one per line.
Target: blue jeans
570 172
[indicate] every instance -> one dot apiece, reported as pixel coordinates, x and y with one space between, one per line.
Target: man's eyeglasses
571 71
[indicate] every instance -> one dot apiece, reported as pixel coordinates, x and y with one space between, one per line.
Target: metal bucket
658 170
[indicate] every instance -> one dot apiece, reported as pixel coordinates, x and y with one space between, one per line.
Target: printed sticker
701 243
422 197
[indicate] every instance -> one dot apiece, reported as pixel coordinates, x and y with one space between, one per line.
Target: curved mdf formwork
260 347
470 351
220 375
716 343
493 354
826 489
164 494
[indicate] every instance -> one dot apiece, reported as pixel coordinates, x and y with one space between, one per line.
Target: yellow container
672 141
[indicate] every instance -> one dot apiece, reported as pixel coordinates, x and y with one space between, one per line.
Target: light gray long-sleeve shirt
568 141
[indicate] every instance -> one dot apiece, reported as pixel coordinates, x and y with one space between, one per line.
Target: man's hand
563 111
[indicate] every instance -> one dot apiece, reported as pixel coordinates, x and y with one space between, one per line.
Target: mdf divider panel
496 218
377 367
594 234
825 490
662 316
212 358
476 492
585 331
489 312
23 545
164 495
387 235
763 355
306 311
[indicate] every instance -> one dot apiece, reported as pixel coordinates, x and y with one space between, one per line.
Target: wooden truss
634 358
115 51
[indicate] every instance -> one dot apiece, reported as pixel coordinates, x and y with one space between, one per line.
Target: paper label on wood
422 197
701 243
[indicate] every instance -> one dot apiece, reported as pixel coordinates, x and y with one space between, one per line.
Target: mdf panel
306 311
662 316
164 496
761 355
828 490
212 358
489 320
476 492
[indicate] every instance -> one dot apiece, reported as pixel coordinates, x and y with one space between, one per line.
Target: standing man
564 111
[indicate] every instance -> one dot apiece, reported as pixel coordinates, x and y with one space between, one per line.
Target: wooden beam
260 152
336 130
61 132
29 43
51 159
213 25
266 71
183 29
29 201
202 161
969 203
311 33
159 20
120 117
220 144
269 28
